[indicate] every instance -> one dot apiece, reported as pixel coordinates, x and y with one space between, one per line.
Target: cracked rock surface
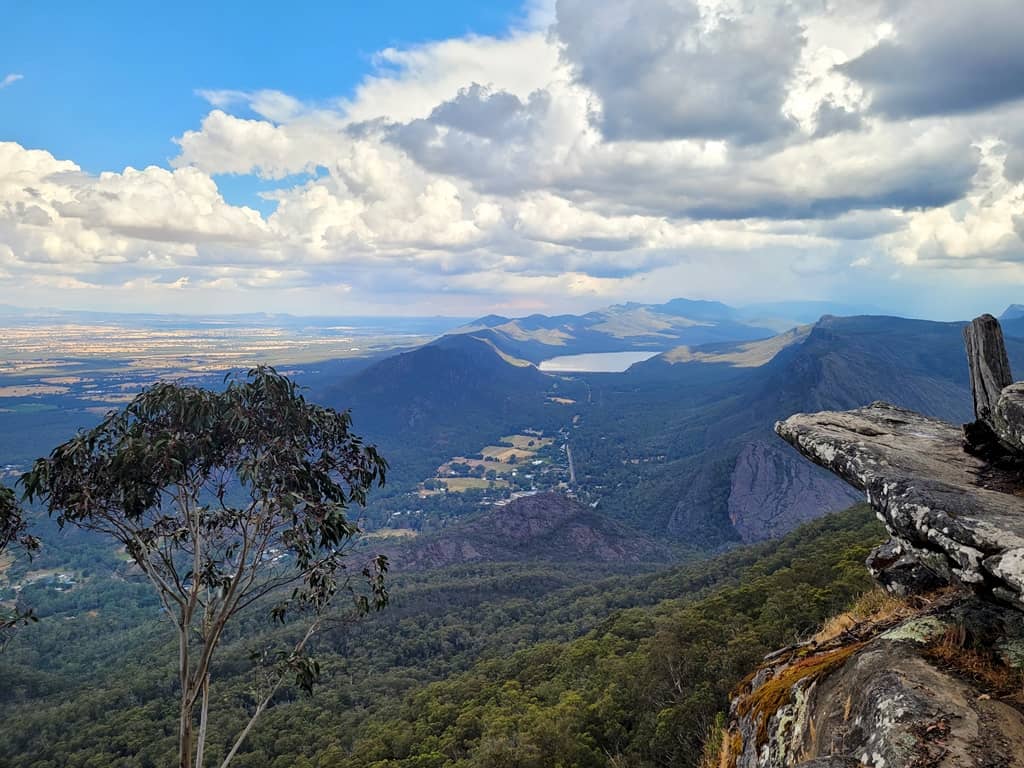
889 703
948 512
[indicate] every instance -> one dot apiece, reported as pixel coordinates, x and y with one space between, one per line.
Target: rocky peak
951 515
932 682
1013 312
771 491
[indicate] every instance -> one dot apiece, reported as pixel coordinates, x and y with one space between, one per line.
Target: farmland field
391 533
459 484
498 466
504 453
527 442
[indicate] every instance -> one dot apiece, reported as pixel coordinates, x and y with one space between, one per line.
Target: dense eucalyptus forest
491 664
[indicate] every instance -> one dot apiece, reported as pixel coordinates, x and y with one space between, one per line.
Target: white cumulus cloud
741 149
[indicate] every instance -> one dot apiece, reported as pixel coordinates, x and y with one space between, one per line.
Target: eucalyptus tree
14 531
225 500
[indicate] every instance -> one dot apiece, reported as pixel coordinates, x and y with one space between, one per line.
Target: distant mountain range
1012 313
623 327
680 446
644 327
390 324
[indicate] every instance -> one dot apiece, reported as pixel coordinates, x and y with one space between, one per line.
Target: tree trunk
201 741
187 704
185 735
997 434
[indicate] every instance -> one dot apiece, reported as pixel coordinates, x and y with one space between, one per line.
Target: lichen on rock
880 695
941 685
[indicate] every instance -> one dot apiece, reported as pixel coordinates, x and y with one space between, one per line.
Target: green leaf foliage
14 532
223 499
227 478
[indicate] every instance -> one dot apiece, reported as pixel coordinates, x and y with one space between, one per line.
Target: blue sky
459 158
109 84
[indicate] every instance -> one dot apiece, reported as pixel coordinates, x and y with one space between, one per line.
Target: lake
595 362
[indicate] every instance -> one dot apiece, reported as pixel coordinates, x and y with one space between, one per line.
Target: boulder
903 570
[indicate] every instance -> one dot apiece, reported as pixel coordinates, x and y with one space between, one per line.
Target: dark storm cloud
489 136
860 225
483 112
1013 166
662 71
905 194
753 190
947 56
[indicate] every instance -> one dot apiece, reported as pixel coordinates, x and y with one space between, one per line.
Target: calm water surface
595 362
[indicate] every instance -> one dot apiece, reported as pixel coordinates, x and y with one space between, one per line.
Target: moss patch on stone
766 700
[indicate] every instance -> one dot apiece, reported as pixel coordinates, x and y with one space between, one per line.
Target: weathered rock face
886 695
942 685
905 571
772 491
1008 416
949 512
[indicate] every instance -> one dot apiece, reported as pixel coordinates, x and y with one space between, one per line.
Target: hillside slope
547 526
683 445
445 398
643 688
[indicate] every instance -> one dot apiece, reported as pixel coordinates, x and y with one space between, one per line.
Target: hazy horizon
828 307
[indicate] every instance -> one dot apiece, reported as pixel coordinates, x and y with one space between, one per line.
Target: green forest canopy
484 665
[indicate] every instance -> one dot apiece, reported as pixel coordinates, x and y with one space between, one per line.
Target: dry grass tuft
715 745
722 748
733 749
875 606
953 651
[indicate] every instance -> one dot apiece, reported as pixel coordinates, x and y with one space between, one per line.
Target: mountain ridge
544 527
710 420
679 445
445 398
617 328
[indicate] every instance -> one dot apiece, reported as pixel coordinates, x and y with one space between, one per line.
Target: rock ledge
952 516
